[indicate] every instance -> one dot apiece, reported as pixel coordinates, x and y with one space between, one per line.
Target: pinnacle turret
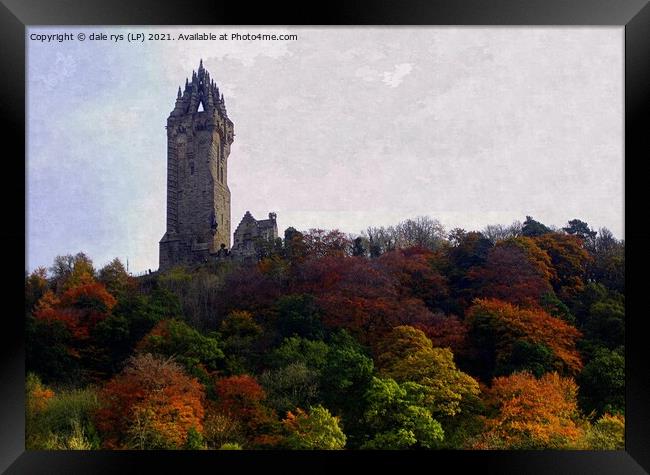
200 89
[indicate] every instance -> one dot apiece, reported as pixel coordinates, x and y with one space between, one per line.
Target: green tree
406 354
396 418
299 315
289 387
313 430
199 354
602 382
607 433
114 277
533 228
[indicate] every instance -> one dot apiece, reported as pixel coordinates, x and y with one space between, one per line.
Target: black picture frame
15 15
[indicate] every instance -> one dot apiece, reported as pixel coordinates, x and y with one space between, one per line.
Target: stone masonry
199 135
249 231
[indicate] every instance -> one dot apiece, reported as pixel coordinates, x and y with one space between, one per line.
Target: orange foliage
79 308
38 398
532 413
241 398
510 323
155 389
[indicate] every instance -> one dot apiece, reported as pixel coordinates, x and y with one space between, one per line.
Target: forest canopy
401 337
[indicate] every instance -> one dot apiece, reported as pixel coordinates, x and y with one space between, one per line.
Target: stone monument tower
199 135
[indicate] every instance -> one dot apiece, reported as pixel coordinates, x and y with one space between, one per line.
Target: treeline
402 337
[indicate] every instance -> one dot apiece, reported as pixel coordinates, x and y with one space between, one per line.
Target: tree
344 379
395 419
294 245
313 430
569 260
291 386
115 278
532 413
151 404
299 315
607 433
68 271
242 399
240 334
36 285
516 271
320 243
605 323
313 354
200 355
581 229
61 420
608 266
498 232
406 354
358 248
533 228
496 326
79 310
602 383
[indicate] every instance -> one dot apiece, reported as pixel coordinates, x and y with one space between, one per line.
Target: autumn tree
59 420
69 271
531 413
316 429
516 271
70 320
242 398
295 249
607 433
115 278
406 354
151 404
320 243
200 355
497 326
569 260
36 285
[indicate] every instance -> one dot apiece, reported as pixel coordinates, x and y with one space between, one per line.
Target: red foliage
369 297
241 398
80 308
516 271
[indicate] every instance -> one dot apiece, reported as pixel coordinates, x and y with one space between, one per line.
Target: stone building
199 135
250 231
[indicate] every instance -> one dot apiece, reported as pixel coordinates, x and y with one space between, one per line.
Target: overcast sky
342 128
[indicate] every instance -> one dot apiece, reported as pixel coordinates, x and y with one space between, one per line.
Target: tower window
191 168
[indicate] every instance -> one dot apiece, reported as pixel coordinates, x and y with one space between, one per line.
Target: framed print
372 236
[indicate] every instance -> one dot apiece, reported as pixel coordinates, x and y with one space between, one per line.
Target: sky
343 128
